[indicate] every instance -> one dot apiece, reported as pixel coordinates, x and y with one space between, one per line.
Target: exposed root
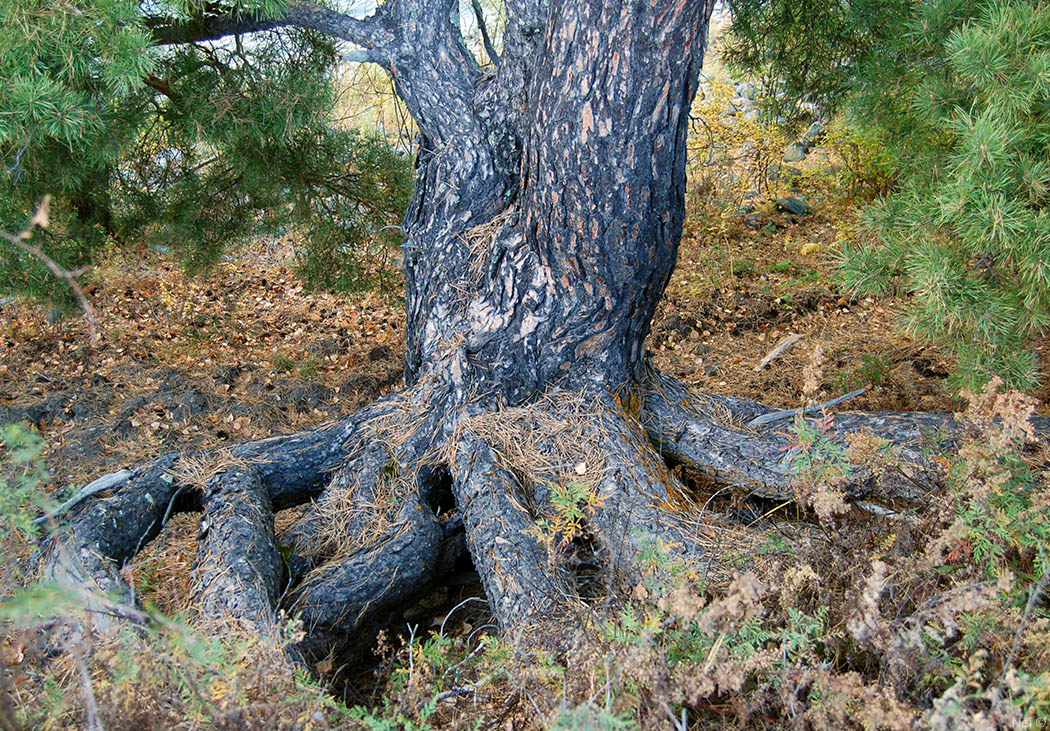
638 496
586 476
355 510
108 533
238 571
691 430
341 599
559 502
520 583
105 533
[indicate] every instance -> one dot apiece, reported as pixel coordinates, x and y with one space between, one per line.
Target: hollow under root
340 600
372 542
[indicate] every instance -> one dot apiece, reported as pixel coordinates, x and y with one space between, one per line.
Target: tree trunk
544 226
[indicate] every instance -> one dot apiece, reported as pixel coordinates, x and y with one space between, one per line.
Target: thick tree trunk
543 228
553 276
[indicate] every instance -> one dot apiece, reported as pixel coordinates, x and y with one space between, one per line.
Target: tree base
558 503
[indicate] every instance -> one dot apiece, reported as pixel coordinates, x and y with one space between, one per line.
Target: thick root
238 571
637 492
548 498
343 600
708 434
107 532
519 581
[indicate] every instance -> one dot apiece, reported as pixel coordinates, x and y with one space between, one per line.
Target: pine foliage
191 147
961 93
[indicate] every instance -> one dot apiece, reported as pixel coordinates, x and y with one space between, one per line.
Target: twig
411 652
450 693
19 240
680 724
490 50
881 510
92 722
452 611
788 413
103 483
782 347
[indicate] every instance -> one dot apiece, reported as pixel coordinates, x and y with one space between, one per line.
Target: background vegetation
959 93
193 148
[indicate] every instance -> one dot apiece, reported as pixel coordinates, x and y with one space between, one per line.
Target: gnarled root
107 532
547 497
637 493
519 581
709 434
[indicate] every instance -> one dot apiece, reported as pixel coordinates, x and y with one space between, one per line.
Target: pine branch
490 50
369 33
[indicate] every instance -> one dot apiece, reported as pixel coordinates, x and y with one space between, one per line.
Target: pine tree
190 146
961 92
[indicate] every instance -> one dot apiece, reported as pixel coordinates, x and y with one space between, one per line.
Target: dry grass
551 441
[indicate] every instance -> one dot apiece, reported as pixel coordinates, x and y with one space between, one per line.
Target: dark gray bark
543 228
238 571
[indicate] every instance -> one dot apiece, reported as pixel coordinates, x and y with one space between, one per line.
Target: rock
796 152
794 206
813 135
756 220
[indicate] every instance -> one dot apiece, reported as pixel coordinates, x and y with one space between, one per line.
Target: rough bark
238 571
